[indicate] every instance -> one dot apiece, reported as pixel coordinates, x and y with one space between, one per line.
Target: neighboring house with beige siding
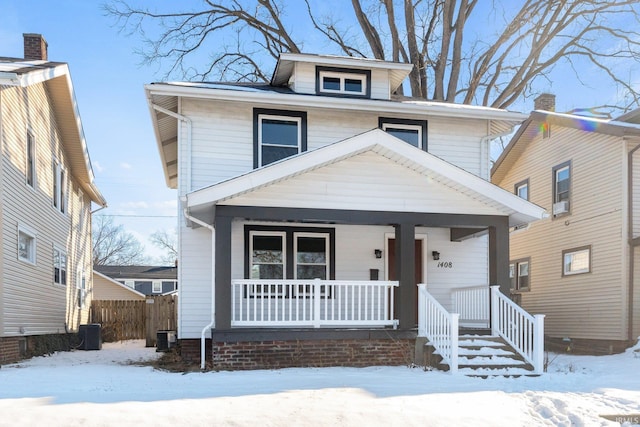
105 288
580 266
46 191
311 206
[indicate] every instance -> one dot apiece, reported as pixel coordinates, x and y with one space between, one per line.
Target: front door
391 266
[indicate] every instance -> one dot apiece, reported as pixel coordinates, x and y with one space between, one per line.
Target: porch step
486 355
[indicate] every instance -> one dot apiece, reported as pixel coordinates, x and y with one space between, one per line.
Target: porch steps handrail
523 331
439 326
312 303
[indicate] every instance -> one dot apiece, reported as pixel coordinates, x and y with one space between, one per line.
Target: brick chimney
545 102
35 47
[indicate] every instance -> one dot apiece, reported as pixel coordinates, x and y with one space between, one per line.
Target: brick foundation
13 349
10 349
311 353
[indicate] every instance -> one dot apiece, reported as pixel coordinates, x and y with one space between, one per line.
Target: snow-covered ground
102 388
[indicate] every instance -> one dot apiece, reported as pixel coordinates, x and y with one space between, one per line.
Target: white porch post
316 303
538 343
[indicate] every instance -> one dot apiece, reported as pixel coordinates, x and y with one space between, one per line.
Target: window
59 187
59 267
26 245
304 253
413 132
156 287
519 274
130 283
278 135
31 159
81 285
343 82
576 261
562 189
522 189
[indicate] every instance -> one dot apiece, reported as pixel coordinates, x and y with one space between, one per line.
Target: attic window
343 82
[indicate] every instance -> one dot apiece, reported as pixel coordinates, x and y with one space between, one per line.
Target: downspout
189 136
630 242
213 281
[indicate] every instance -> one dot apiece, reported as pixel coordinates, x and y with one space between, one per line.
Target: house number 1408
445 264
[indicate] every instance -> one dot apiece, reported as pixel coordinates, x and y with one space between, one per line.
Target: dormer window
343 82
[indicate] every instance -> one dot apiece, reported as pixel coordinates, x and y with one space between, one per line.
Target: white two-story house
311 207
46 192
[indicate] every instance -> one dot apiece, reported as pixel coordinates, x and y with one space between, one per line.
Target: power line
139 216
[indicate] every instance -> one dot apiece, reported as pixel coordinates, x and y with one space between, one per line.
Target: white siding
31 302
367 181
592 305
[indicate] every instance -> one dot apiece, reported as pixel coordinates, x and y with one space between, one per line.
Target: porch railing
524 332
312 303
472 303
439 326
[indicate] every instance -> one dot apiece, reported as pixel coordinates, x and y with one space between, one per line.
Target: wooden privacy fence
127 320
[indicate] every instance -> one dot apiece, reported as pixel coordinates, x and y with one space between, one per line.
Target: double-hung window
413 132
267 252
26 245
59 266
31 159
59 187
278 134
576 261
343 82
156 287
519 274
562 189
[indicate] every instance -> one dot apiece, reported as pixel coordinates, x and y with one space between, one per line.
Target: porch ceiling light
435 255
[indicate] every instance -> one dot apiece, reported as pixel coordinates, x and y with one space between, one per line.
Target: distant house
46 189
313 206
581 266
146 279
106 289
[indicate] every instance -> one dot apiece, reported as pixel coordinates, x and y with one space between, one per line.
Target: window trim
59 186
32 258
516 271
573 251
81 287
518 185
422 125
343 74
260 113
64 268
554 194
31 161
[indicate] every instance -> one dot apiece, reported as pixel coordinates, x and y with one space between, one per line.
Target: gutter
186 120
213 281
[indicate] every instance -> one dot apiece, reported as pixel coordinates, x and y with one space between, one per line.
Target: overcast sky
108 82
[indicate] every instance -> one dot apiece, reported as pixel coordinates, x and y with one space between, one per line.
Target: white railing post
495 310
422 306
453 337
538 343
316 303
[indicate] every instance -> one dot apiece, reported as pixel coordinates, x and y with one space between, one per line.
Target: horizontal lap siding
104 289
31 303
635 186
194 304
593 305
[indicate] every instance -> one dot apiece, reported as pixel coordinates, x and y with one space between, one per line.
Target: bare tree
168 242
486 53
113 245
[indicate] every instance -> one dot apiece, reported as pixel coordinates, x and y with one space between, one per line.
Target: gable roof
116 283
531 128
377 141
57 78
148 272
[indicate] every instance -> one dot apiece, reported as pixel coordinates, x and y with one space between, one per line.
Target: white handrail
439 326
524 332
312 303
472 302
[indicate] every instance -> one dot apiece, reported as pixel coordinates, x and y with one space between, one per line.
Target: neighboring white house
46 191
312 206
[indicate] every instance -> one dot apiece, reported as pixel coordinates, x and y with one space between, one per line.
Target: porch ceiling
373 171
